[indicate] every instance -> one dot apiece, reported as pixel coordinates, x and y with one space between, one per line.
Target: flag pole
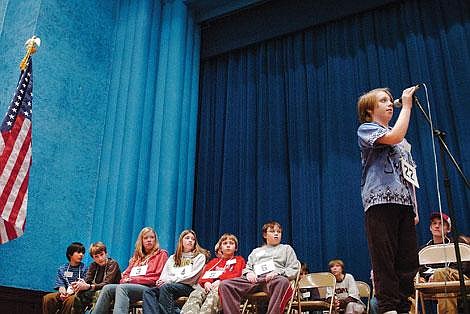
31 46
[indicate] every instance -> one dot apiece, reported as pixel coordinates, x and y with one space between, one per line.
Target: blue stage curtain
146 171
277 127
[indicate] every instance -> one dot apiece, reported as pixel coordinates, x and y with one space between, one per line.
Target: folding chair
315 280
254 299
438 254
364 292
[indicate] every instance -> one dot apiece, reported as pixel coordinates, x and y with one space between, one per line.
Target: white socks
391 312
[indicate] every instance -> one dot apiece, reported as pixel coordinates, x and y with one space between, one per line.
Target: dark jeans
391 237
162 300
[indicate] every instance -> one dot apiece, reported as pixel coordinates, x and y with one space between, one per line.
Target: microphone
397 102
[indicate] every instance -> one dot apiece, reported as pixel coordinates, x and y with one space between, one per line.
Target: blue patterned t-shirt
382 178
66 274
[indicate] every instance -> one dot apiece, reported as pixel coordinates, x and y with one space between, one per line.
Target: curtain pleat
147 162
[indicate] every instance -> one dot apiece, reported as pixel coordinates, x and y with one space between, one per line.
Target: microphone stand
444 148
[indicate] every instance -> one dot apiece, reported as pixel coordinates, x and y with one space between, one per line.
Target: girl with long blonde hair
179 276
145 268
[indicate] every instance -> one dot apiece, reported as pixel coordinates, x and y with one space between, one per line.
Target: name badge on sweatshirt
139 270
68 274
264 268
409 172
212 274
185 270
231 261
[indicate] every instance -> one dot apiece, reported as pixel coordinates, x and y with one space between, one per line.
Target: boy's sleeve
250 265
90 275
292 263
85 272
60 279
368 133
353 291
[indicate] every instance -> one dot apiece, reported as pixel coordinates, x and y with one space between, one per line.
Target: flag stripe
10 230
12 146
19 192
13 167
21 220
3 232
9 139
2 143
19 173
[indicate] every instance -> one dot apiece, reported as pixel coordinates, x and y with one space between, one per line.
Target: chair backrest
364 292
364 289
443 253
317 280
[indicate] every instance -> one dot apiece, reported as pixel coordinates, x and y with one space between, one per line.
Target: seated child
143 271
269 268
205 298
65 300
346 295
102 271
179 276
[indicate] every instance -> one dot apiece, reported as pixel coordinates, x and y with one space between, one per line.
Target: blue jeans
122 294
162 300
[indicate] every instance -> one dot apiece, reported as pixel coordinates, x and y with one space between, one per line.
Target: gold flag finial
31 46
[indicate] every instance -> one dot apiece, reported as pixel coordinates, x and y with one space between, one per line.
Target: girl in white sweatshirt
179 276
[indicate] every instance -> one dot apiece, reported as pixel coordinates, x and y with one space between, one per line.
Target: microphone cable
436 170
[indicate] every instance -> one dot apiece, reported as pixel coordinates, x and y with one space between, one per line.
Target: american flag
15 158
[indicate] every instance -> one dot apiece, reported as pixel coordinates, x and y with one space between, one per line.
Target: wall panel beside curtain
147 161
277 126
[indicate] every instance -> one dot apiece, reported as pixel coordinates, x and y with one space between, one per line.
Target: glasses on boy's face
274 231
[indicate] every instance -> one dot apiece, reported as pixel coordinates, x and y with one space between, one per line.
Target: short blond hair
97 248
225 236
334 262
367 103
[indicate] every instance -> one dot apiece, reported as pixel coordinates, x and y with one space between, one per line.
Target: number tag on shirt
185 270
264 268
409 173
212 274
231 261
139 270
68 274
